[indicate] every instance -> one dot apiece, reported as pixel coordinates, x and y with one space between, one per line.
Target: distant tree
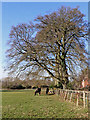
55 45
77 81
83 73
70 85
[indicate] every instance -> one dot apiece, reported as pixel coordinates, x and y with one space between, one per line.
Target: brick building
85 82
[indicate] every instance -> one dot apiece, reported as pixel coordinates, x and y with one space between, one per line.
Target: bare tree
21 54
63 36
55 45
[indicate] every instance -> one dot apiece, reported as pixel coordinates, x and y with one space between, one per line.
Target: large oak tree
54 45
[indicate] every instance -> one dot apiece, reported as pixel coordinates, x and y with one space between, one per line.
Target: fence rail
78 97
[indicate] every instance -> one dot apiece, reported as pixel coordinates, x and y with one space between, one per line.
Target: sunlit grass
23 104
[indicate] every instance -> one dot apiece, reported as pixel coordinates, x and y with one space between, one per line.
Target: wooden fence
78 97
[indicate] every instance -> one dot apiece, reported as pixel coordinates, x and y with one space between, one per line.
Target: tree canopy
55 44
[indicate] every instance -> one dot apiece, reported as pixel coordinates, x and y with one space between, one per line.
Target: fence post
83 99
86 99
68 95
89 104
71 97
65 96
77 98
62 93
58 92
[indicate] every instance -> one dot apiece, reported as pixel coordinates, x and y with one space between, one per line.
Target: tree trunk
64 86
65 73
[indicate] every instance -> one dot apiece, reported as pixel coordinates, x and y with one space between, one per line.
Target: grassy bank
23 104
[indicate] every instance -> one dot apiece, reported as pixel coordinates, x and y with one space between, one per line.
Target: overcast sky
14 13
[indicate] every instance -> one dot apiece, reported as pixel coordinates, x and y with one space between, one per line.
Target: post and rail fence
78 97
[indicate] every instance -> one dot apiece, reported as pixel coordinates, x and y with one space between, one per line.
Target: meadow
23 104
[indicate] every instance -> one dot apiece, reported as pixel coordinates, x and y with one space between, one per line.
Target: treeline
16 83
8 83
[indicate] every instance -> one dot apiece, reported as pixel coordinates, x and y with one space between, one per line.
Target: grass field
23 104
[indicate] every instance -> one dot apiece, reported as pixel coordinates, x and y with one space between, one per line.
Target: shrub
34 87
29 87
18 87
70 86
44 86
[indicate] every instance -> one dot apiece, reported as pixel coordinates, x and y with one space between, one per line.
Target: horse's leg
35 92
39 93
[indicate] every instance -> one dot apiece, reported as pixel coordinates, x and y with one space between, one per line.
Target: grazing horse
38 91
47 90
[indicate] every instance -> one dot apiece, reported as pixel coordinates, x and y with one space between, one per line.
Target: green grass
23 104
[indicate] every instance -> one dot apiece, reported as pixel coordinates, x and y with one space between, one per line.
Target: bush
29 87
51 86
44 86
34 87
70 86
18 87
59 86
